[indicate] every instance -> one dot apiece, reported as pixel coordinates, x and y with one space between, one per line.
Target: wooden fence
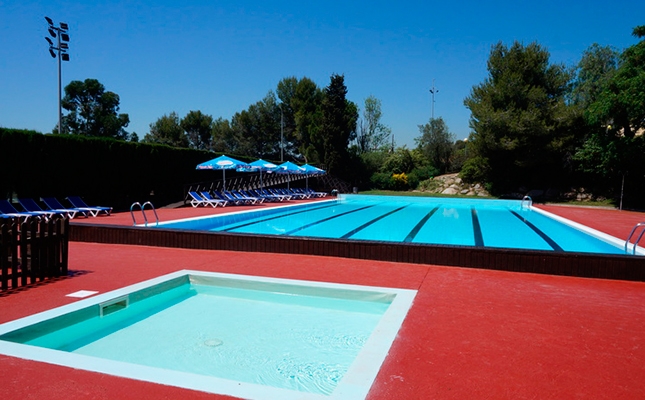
32 251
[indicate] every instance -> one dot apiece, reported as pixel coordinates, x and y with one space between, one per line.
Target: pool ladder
638 225
143 211
529 202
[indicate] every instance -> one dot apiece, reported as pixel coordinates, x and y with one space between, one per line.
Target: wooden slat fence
32 251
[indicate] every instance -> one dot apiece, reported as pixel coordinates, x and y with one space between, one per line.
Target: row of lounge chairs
54 208
249 197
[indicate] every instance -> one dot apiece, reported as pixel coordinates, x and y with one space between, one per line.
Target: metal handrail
143 211
529 202
134 220
637 239
153 210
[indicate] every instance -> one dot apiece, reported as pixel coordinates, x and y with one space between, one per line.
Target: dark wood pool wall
622 267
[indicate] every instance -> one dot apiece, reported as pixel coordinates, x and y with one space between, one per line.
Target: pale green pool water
288 340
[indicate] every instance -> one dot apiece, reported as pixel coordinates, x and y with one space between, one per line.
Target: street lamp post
433 91
61 47
281 134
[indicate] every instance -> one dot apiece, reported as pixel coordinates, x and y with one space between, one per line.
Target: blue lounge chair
266 197
197 200
228 197
238 199
250 199
208 197
281 196
294 195
31 206
316 194
302 192
53 204
77 202
8 209
201 200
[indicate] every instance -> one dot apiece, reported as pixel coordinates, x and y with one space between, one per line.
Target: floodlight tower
433 91
61 47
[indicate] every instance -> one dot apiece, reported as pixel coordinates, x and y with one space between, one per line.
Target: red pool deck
470 334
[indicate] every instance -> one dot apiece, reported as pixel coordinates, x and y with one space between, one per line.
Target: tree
258 128
436 143
593 72
93 111
520 120
621 104
613 151
286 92
225 138
372 134
167 130
198 128
256 131
306 104
338 125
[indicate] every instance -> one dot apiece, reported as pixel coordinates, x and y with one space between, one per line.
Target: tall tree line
543 125
299 121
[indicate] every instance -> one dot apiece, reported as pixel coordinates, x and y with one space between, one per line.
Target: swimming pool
424 220
251 337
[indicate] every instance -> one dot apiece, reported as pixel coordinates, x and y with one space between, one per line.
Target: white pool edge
614 241
252 210
355 384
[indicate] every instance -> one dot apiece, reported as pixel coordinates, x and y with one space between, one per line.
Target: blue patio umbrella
263 166
289 168
311 170
224 163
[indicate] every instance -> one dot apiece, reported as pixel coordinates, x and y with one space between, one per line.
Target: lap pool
509 224
243 336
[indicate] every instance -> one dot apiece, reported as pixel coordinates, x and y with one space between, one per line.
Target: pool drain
213 342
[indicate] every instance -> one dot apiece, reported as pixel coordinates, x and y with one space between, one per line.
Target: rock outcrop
451 184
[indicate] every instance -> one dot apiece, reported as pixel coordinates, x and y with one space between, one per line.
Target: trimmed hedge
102 171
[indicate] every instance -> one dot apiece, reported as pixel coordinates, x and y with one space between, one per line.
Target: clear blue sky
222 56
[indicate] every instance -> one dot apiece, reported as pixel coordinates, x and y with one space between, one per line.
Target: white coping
354 385
239 212
591 232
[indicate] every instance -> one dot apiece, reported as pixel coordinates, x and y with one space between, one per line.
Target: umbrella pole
224 184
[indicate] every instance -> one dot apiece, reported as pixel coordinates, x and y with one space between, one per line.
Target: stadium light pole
433 91
61 48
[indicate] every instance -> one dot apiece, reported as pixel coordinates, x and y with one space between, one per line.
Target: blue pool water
443 221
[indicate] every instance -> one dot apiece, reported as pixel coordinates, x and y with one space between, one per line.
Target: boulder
450 190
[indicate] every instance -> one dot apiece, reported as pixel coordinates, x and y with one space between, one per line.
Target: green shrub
382 180
400 181
474 170
428 185
421 174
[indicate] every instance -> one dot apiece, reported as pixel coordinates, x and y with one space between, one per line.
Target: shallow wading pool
250 337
